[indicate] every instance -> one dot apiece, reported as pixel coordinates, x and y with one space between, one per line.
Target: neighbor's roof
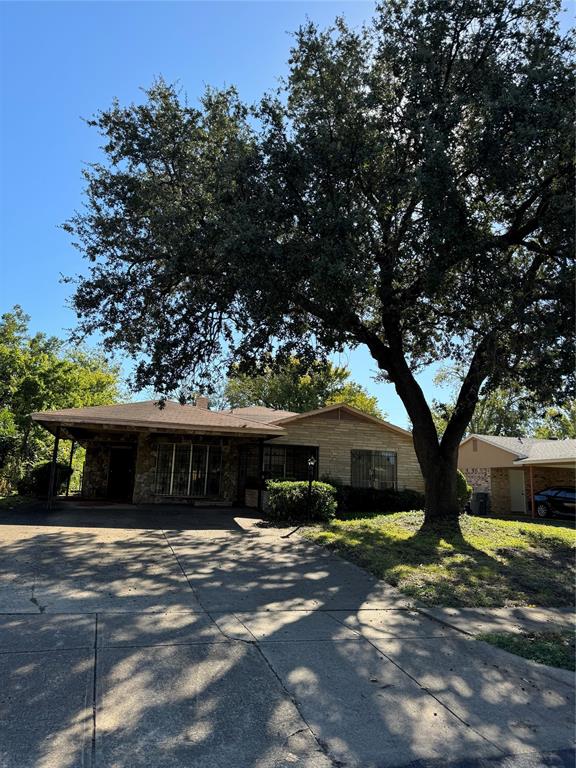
529 450
149 415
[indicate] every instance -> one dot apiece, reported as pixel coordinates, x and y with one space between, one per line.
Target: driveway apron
186 645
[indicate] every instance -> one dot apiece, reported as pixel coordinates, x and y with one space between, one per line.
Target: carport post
72 446
532 502
260 472
52 483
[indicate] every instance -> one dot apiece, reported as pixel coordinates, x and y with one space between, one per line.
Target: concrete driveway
161 639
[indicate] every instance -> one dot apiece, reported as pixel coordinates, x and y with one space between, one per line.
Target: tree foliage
293 386
513 411
37 373
409 188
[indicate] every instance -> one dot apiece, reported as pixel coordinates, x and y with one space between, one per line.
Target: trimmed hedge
36 482
377 499
288 501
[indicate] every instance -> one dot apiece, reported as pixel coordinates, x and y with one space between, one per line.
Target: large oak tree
409 188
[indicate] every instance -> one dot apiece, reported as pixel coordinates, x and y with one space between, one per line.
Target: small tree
410 189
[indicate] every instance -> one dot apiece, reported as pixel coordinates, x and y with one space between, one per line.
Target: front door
121 472
517 493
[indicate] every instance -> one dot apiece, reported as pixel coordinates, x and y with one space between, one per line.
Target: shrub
378 499
463 490
36 482
288 501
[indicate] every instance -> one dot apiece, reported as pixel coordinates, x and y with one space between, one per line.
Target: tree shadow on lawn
438 566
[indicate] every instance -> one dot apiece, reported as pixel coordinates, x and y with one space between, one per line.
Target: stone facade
147 457
97 463
95 473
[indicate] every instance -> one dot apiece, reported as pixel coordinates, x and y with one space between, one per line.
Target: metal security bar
187 469
373 469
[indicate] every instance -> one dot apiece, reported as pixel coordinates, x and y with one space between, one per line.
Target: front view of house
142 453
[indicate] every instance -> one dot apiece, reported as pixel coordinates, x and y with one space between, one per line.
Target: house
512 469
140 452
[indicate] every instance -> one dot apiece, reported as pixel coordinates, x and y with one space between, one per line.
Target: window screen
373 469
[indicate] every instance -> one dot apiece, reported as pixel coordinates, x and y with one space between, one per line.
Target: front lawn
557 649
493 563
11 501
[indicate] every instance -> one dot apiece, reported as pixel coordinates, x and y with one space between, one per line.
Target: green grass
13 500
491 563
557 649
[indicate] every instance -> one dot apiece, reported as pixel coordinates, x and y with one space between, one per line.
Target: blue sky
60 62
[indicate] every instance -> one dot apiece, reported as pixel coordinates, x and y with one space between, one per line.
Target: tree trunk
441 499
438 459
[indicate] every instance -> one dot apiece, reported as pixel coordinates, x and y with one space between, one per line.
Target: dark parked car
555 501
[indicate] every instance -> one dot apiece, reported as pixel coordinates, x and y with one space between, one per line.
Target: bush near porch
492 563
298 501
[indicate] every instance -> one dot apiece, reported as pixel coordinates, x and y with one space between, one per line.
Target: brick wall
479 478
543 478
336 433
500 491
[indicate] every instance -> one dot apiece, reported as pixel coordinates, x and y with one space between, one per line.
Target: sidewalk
476 621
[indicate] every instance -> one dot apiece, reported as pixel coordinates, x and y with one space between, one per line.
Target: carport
151 453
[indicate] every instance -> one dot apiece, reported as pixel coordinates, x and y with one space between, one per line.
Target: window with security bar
373 469
186 469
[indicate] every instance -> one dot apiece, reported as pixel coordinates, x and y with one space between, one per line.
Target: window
184 469
287 462
373 469
279 462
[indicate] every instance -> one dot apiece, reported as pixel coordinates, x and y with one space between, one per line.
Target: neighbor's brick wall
336 433
500 500
543 478
479 478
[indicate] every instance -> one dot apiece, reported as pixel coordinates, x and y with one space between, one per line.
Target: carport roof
148 415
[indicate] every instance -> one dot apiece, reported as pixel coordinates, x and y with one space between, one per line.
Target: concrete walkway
475 621
215 644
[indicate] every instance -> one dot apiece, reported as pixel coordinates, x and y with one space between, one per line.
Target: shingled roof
149 415
529 450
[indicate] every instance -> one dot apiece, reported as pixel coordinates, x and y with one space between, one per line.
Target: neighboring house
141 453
512 469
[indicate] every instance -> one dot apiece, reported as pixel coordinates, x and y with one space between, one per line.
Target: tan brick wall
500 491
336 437
547 476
